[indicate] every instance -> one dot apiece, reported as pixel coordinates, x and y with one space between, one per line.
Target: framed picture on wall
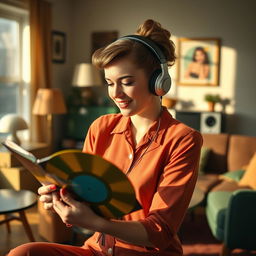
198 61
102 38
58 47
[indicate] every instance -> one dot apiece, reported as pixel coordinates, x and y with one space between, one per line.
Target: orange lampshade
49 101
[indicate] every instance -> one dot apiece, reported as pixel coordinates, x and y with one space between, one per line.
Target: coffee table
13 201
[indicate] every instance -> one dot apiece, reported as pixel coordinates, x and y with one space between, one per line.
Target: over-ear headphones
160 81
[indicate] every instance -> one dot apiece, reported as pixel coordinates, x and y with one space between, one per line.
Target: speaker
190 118
205 122
211 122
160 81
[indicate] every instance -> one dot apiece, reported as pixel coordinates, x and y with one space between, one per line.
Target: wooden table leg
7 224
26 226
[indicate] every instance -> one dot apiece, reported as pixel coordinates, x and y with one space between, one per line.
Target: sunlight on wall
192 97
26 78
26 55
228 75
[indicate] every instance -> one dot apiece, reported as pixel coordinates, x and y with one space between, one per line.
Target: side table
12 201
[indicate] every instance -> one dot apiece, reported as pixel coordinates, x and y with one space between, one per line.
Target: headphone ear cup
152 81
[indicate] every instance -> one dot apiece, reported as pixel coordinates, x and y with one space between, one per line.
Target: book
88 177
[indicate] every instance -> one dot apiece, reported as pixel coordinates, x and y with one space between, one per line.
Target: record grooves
95 181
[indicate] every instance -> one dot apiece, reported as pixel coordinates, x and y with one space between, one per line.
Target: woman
199 67
158 154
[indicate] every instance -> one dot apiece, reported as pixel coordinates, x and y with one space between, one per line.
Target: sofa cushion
207 181
249 178
204 155
232 176
217 203
241 150
227 185
217 161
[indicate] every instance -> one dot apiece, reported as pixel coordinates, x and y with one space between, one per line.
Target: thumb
67 198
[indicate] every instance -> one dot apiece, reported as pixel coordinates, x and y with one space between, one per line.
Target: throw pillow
232 176
249 178
204 155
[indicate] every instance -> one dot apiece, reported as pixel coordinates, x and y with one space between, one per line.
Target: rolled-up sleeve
175 189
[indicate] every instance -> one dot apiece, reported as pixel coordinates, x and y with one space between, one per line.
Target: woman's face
128 87
199 56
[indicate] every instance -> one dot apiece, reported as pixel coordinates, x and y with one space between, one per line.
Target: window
14 62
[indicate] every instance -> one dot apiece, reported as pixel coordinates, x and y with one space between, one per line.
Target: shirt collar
124 123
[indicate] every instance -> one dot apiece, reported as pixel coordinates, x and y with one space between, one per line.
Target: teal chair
232 219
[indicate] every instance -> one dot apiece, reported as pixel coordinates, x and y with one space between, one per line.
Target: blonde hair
141 55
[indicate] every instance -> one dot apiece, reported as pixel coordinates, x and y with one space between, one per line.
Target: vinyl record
94 180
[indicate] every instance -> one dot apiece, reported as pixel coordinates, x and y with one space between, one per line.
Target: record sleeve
88 177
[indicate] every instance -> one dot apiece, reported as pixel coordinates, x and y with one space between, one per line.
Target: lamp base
87 96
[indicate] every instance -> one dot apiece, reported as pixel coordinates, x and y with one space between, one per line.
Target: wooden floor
18 235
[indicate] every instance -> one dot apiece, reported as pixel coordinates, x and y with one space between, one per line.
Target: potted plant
212 99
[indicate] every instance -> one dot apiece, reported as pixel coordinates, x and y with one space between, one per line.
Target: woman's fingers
45 198
47 189
48 206
46 193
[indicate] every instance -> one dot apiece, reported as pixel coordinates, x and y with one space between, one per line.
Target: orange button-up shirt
163 176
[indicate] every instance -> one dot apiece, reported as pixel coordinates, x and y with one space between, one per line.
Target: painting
58 47
102 38
198 61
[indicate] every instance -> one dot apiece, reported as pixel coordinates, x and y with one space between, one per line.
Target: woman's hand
77 213
73 212
46 193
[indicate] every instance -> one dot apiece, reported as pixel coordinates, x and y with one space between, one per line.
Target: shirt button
110 251
130 156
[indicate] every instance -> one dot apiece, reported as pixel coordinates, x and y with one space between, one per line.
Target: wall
229 20
62 12
61 21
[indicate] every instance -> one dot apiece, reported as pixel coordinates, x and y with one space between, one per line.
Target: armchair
231 217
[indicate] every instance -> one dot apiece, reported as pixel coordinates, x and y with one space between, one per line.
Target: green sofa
230 207
231 218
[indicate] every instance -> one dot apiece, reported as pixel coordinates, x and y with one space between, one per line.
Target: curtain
41 74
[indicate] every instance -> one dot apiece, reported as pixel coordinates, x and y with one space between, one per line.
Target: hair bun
154 31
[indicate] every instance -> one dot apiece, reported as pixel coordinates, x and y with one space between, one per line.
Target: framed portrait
58 47
198 61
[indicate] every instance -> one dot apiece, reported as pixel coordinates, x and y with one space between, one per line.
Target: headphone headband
150 44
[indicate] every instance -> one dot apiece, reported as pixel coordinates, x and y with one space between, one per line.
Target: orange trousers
49 249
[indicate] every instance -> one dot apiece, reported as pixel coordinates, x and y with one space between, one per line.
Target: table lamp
49 102
11 123
86 76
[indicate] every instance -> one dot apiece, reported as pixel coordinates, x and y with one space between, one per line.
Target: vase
169 102
211 106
